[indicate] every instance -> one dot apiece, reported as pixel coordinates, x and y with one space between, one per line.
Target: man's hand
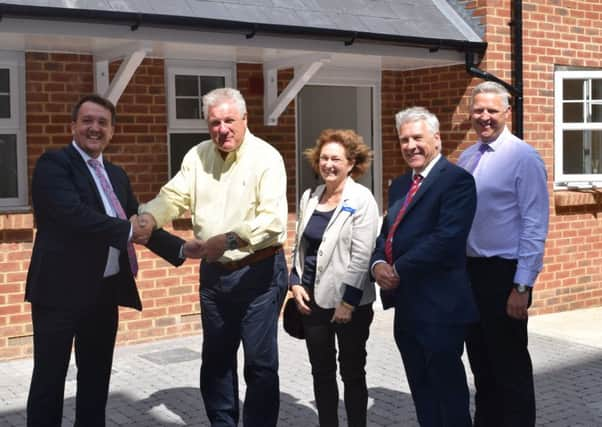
194 248
215 248
147 220
141 229
517 305
342 313
385 276
301 298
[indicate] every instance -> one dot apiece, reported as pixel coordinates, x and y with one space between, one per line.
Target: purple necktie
474 160
108 190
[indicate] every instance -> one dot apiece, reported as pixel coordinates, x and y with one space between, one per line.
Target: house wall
54 83
562 33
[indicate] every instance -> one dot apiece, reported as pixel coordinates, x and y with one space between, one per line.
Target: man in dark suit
82 266
419 262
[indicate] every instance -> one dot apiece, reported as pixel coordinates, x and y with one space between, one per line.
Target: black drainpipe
517 89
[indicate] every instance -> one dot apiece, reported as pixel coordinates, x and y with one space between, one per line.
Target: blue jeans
242 305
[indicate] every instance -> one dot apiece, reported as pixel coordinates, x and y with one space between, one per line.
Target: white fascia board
122 32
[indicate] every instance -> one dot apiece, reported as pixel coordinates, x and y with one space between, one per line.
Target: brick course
555 34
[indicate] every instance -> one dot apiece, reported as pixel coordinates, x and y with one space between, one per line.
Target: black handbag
291 319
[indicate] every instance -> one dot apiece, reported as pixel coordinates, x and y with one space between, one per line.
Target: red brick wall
170 296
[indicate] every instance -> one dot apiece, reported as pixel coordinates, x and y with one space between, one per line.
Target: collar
236 154
495 145
85 155
428 167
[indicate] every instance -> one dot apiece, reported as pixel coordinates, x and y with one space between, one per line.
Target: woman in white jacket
336 232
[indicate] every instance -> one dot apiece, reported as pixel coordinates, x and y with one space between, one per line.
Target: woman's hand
342 314
301 298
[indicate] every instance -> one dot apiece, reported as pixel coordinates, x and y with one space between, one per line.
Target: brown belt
260 255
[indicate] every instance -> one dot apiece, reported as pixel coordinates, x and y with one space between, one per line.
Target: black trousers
242 306
92 331
497 350
320 336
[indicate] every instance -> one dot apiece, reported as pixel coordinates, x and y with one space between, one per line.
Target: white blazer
347 244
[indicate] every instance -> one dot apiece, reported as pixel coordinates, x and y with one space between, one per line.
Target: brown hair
357 152
96 99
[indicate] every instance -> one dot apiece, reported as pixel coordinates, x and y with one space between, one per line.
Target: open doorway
336 107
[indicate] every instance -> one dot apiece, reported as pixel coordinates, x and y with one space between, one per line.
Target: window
186 85
578 128
13 162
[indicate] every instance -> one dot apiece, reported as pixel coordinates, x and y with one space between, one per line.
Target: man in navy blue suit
420 264
82 266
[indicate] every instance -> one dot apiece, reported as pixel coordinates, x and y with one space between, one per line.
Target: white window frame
227 70
15 63
562 180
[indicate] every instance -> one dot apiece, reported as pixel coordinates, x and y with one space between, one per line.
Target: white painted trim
124 74
562 180
47 29
192 68
336 76
305 67
15 62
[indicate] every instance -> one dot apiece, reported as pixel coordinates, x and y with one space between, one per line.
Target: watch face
521 289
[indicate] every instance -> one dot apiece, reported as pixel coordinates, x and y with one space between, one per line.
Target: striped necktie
110 194
411 193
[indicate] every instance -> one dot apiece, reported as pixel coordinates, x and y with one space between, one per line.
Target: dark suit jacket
74 234
429 247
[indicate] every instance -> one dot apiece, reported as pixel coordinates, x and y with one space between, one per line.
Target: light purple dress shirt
511 219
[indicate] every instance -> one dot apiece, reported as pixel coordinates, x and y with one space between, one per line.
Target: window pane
187 108
582 151
572 89
210 83
597 89
572 112
8 166
596 113
187 86
179 144
4 80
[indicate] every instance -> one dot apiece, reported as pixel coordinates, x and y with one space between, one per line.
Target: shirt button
320 253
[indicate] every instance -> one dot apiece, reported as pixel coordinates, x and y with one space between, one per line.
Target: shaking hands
209 250
142 227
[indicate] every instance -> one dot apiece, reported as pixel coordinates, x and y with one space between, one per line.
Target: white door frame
342 76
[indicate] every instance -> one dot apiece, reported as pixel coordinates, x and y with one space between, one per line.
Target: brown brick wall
562 33
555 33
170 296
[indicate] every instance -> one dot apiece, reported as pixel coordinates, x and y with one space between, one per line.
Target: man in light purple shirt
505 254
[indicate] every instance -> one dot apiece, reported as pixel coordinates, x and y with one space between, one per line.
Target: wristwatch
521 289
231 241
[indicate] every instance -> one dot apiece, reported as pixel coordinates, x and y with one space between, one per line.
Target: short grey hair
415 114
491 87
224 94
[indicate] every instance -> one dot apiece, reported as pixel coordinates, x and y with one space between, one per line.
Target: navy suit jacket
429 247
74 234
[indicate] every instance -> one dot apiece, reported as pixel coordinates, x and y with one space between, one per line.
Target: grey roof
423 19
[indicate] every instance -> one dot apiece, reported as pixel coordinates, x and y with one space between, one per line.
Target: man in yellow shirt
235 188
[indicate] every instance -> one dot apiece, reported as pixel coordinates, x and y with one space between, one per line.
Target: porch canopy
303 34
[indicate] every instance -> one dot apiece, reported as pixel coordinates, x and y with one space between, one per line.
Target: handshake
210 250
142 228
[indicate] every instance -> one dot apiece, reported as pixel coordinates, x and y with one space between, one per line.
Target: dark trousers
432 358
351 337
54 331
497 350
242 306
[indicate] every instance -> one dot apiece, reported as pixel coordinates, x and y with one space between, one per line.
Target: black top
312 237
